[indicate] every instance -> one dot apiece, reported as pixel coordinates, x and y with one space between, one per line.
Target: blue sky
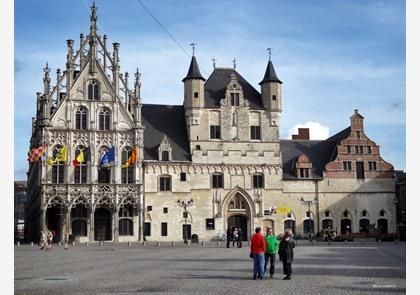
332 56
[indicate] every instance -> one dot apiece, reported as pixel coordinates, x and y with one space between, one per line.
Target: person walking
50 237
228 237
239 238
270 251
235 237
258 247
286 254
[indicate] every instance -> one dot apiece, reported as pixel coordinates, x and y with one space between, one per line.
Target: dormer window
165 150
234 99
304 172
303 167
93 90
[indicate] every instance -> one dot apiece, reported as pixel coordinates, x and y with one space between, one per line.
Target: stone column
116 223
91 228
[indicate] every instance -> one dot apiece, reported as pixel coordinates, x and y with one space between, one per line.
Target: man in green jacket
271 250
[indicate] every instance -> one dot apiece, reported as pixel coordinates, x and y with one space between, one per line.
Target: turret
136 103
93 42
193 86
356 124
115 67
69 65
271 88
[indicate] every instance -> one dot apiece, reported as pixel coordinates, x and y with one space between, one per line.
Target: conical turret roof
193 71
270 74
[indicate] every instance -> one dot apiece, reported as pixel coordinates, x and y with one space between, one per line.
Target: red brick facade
358 156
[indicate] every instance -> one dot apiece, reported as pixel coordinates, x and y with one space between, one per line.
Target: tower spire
93 19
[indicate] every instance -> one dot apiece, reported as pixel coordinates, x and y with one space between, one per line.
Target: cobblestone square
339 268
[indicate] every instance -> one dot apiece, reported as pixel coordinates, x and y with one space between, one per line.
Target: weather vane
193 47
214 63
234 63
269 52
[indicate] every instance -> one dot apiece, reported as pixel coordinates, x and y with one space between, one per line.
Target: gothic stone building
214 161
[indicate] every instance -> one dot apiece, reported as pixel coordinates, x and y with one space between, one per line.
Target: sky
332 56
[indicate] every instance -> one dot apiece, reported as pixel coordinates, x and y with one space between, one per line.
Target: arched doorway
308 226
364 225
345 226
102 224
290 224
327 223
238 212
383 226
53 218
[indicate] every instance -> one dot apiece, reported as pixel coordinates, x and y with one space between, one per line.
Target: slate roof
193 71
215 89
169 120
321 152
270 74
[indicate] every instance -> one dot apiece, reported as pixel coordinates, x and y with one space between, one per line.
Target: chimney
303 134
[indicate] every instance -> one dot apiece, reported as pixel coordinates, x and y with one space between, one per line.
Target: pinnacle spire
193 71
93 19
270 74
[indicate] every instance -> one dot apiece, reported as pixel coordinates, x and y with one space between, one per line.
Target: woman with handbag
286 253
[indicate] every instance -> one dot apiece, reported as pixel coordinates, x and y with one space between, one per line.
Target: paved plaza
339 268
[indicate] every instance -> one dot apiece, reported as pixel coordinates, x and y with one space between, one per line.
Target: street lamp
185 204
309 203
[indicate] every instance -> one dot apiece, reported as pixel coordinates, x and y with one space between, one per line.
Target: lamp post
397 217
309 203
185 204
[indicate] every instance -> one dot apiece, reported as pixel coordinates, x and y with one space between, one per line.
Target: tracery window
104 119
81 118
93 90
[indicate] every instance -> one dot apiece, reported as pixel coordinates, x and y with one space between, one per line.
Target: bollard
59 244
101 243
218 243
18 244
345 241
188 243
87 244
157 244
32 244
173 244
143 243
203 243
129 244
72 244
329 242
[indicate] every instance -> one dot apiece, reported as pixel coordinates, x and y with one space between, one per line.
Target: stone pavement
352 268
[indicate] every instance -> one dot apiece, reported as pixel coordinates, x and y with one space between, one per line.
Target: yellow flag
61 156
283 210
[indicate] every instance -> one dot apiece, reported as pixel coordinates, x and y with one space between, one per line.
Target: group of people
265 248
234 235
46 240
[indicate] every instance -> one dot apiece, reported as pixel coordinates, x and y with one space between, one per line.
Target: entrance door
308 226
186 232
53 222
239 221
360 170
345 226
383 226
102 225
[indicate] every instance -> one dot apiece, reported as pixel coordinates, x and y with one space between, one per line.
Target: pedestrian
235 237
50 237
228 237
42 240
258 247
240 238
270 251
286 253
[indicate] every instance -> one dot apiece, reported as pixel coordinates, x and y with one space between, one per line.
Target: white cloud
316 130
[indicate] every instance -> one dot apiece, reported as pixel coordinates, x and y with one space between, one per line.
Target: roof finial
93 18
234 63
193 47
214 62
137 75
269 52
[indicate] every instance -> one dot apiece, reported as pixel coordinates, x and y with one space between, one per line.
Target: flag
35 153
60 156
132 159
79 159
283 210
108 157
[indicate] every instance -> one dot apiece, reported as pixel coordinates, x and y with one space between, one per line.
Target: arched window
79 227
79 215
104 119
364 225
80 172
57 167
164 183
327 223
81 118
93 90
127 172
237 202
